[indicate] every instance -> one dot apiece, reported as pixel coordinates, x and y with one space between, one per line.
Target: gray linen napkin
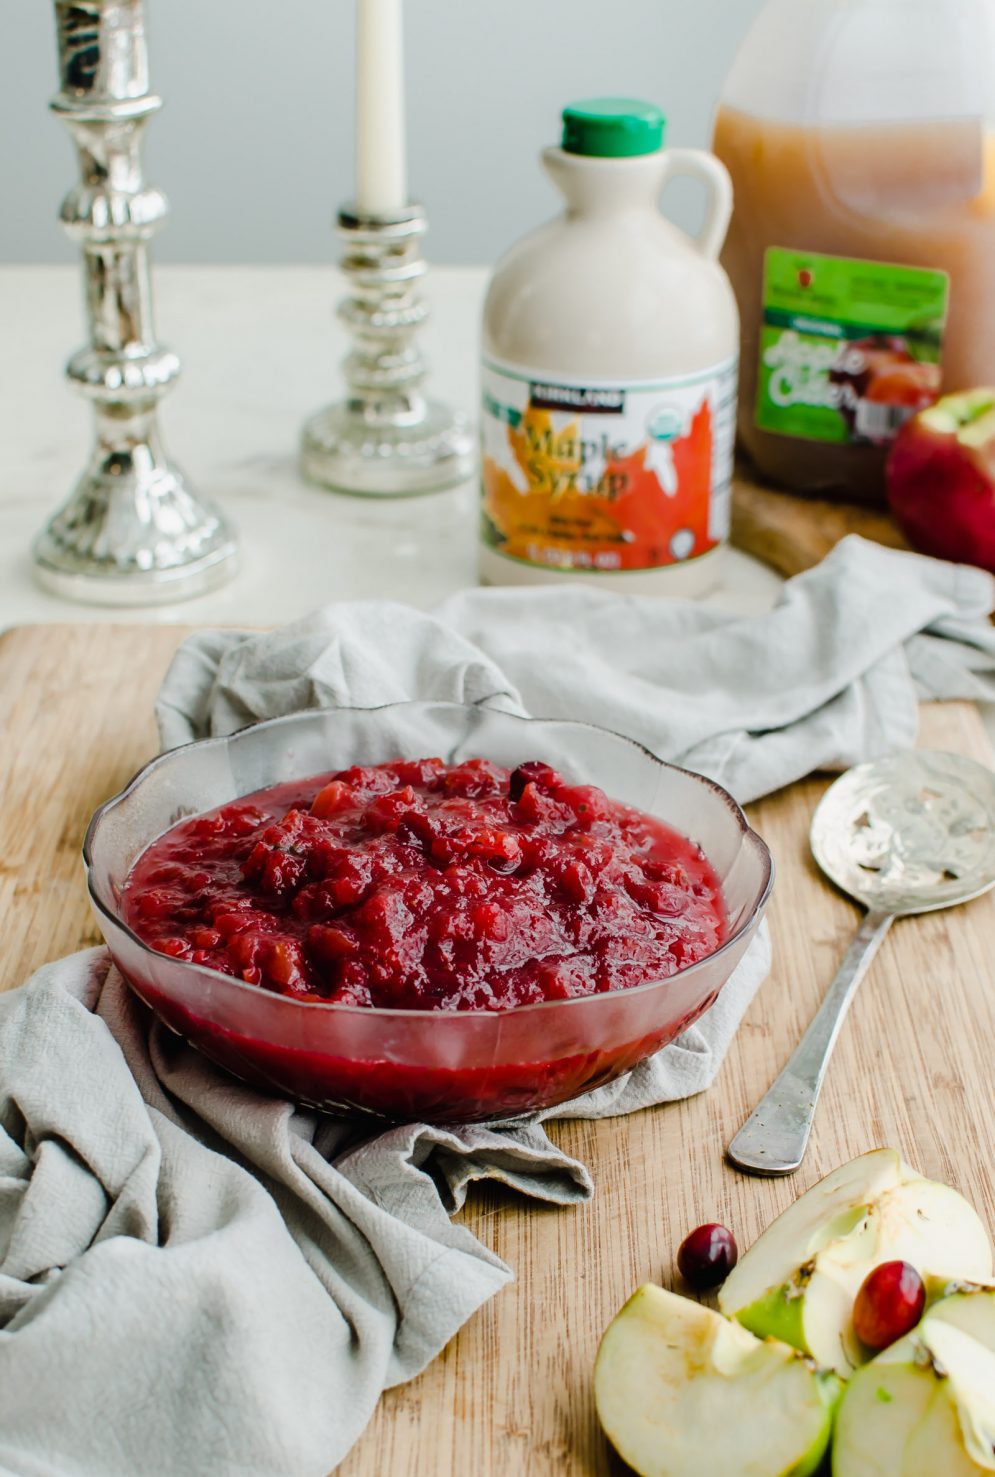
829 677
196 1278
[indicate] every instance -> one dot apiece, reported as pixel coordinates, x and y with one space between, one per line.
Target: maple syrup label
849 349
606 476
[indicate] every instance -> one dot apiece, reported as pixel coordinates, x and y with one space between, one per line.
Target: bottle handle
699 164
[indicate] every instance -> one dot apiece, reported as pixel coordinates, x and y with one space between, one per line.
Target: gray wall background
254 146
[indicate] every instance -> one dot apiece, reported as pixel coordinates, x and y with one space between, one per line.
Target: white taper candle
381 174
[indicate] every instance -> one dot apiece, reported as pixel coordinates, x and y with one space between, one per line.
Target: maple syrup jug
859 137
610 346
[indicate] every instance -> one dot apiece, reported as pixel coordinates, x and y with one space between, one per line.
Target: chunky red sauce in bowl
421 885
455 938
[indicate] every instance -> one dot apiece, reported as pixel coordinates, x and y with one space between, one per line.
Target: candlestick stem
385 437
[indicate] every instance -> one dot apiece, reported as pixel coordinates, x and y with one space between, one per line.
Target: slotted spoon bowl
906 834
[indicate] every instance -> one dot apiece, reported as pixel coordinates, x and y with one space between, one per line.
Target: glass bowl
440 1066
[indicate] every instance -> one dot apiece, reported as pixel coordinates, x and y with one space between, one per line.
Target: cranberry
330 943
175 948
587 802
888 1305
334 798
532 772
707 1256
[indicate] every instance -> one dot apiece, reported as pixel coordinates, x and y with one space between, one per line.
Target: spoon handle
774 1137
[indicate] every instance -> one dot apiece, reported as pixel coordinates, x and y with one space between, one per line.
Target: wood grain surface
512 1392
793 533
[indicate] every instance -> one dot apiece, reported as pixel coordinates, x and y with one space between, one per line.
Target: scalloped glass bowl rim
365 1012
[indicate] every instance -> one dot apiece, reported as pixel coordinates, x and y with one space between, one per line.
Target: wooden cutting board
794 533
511 1394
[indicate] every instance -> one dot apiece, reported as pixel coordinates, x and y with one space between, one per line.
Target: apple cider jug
610 347
860 137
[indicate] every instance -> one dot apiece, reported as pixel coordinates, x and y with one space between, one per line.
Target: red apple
941 478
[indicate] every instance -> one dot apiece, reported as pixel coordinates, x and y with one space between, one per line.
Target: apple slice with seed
925 1407
798 1282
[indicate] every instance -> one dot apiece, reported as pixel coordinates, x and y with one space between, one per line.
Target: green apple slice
925 1407
799 1280
969 1306
683 1392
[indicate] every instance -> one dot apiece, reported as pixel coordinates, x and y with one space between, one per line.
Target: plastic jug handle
699 164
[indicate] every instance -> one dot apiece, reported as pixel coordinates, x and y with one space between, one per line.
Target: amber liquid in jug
920 194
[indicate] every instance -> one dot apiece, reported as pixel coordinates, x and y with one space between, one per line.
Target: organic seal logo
666 423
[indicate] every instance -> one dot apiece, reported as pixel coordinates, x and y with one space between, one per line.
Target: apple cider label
597 475
849 349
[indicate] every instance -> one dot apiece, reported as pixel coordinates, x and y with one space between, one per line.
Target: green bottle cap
613 127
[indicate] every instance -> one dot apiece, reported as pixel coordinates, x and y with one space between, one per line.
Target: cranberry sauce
421 885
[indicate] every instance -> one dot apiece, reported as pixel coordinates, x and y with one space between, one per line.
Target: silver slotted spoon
907 834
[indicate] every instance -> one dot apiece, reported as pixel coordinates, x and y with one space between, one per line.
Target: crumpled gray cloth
197 1278
829 677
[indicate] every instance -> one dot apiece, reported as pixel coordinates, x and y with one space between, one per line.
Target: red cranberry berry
707 1256
888 1305
533 772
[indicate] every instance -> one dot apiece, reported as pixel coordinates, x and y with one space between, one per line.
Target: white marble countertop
261 350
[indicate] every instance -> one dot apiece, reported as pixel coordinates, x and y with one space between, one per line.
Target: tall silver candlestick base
385 438
132 531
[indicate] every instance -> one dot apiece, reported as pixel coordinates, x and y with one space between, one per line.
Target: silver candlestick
132 532
385 437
